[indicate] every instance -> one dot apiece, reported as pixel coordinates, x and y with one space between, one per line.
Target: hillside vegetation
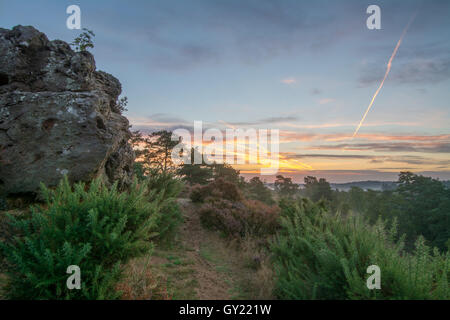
203 232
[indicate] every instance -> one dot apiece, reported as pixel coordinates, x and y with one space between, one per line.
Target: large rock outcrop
58 115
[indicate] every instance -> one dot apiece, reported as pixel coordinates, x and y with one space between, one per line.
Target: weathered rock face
57 115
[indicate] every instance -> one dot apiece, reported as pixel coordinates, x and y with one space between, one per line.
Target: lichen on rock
58 115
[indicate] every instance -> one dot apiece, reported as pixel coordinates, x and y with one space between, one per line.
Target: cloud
289 81
425 64
412 160
279 119
326 100
316 91
176 56
383 137
424 71
166 118
184 34
290 136
417 71
159 121
176 35
425 147
263 121
388 142
328 156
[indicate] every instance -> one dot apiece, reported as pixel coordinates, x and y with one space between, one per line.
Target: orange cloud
326 100
289 81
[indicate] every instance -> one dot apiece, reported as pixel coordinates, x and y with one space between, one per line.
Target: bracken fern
322 256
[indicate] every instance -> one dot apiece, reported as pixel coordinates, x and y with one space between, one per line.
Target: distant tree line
420 205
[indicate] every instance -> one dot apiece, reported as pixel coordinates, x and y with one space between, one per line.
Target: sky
307 68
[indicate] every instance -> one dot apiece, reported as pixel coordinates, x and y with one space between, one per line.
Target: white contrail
385 75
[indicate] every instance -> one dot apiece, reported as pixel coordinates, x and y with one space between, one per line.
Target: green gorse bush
322 256
164 188
96 227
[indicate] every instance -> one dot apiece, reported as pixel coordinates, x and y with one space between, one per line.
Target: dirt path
202 264
206 249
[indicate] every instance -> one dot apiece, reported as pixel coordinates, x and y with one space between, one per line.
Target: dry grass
260 275
3 281
5 234
179 272
239 265
141 282
203 264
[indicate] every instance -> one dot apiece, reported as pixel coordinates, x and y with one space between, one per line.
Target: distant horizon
299 178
